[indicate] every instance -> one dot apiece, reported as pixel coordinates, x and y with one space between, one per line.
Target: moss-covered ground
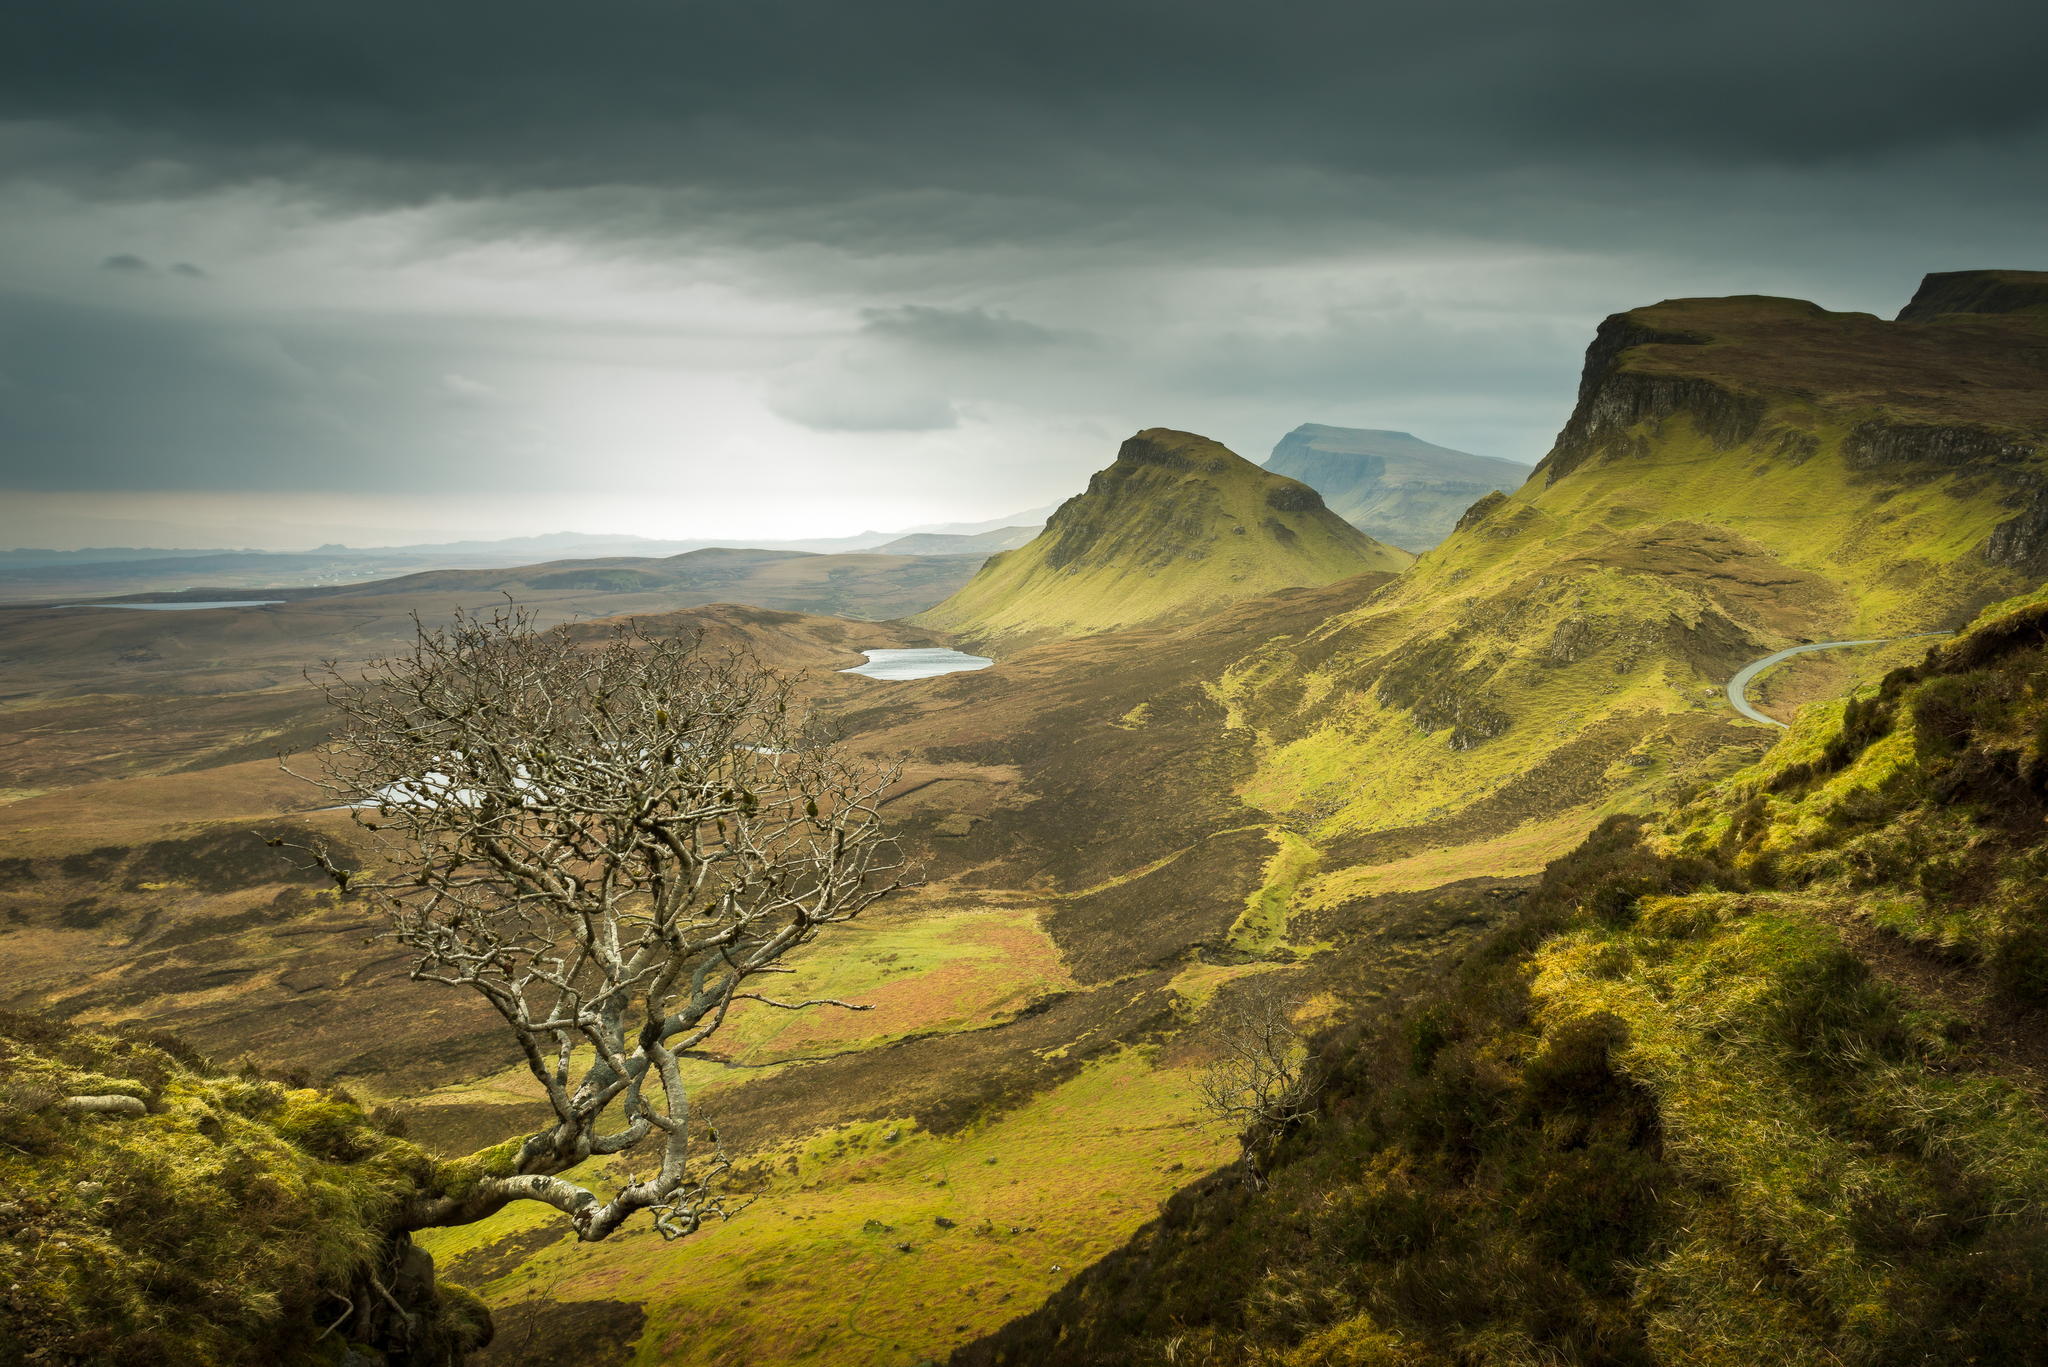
223 1221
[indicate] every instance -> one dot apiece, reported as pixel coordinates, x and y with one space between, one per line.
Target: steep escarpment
1392 486
1758 1080
1977 292
1739 475
1178 525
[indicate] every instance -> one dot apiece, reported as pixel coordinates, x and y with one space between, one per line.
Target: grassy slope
1177 526
1565 646
1755 1082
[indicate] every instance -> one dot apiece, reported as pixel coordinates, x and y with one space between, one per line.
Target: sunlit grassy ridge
1705 1104
1741 475
1176 526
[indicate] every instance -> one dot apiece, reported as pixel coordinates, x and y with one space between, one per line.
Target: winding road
1738 696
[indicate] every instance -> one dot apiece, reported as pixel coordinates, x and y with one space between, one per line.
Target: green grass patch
814 1272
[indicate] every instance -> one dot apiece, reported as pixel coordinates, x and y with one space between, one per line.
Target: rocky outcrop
1945 292
2021 541
1481 510
1878 444
1614 398
1292 498
1151 448
1431 685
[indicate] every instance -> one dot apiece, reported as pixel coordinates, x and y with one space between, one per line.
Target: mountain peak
1325 430
1171 449
1391 485
1177 524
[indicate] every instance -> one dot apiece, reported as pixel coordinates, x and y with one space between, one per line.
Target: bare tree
1264 1080
611 842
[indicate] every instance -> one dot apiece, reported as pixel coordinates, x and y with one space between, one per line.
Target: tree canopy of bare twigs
613 843
1264 1079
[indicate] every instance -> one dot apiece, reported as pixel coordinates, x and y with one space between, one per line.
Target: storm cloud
925 257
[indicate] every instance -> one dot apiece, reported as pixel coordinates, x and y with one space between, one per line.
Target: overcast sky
277 274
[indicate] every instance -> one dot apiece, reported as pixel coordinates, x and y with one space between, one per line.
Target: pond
921 663
179 607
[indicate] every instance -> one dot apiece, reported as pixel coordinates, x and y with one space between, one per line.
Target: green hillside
1392 485
1759 1080
1740 475
1177 526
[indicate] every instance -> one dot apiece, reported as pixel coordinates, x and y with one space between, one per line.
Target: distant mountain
1391 485
1030 517
942 543
1176 526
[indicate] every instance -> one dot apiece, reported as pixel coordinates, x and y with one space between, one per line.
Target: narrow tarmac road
1738 694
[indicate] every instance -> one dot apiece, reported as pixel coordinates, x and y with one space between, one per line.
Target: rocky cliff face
1176 525
1615 400
1738 475
1391 485
1962 397
1947 292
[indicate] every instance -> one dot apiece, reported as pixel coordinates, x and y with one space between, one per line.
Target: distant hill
1391 485
47 576
1178 525
942 543
1030 517
861 585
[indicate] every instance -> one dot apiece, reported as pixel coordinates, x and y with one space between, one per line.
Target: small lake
178 607
917 664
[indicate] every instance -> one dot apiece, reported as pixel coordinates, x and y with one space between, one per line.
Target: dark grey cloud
781 100
908 366
972 329
103 399
128 263
466 245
